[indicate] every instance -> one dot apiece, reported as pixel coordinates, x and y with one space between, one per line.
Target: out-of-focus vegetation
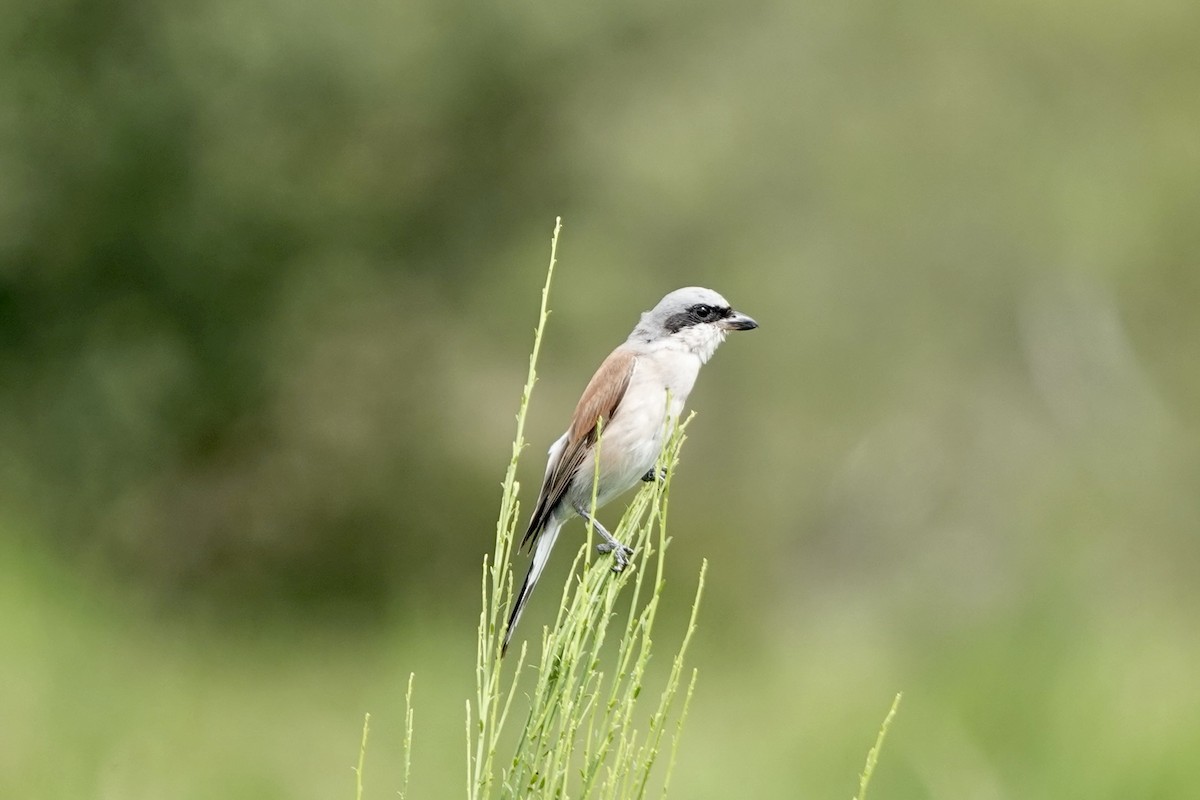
268 273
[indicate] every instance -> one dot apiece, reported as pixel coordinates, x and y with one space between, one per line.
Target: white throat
699 340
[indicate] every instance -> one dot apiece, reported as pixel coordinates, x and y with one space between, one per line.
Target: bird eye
703 312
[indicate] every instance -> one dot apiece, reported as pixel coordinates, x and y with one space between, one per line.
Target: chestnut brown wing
599 402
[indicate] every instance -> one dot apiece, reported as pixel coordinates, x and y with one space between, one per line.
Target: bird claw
652 475
621 554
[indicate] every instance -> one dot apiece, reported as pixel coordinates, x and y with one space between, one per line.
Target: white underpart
662 379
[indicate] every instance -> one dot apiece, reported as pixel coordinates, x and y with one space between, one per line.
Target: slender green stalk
362 757
687 702
873 754
497 583
658 721
408 736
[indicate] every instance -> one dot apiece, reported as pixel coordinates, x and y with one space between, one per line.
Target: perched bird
639 386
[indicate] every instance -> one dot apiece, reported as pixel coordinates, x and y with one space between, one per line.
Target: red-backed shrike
642 384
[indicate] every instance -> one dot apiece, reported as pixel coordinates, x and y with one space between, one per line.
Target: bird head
695 318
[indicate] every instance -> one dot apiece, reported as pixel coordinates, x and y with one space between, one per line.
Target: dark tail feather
518 607
541 554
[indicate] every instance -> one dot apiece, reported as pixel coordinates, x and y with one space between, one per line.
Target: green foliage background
268 273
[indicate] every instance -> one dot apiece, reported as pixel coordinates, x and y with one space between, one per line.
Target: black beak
738 322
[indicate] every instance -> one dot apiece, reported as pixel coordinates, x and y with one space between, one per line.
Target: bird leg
610 544
659 474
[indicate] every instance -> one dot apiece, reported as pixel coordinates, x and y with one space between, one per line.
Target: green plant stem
362 757
873 754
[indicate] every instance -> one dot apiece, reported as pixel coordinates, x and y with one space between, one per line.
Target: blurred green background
268 275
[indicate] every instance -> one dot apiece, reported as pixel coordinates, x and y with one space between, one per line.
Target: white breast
630 446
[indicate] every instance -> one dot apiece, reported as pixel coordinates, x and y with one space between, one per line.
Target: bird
624 410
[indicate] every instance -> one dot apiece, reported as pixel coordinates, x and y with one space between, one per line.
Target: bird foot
652 475
621 554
